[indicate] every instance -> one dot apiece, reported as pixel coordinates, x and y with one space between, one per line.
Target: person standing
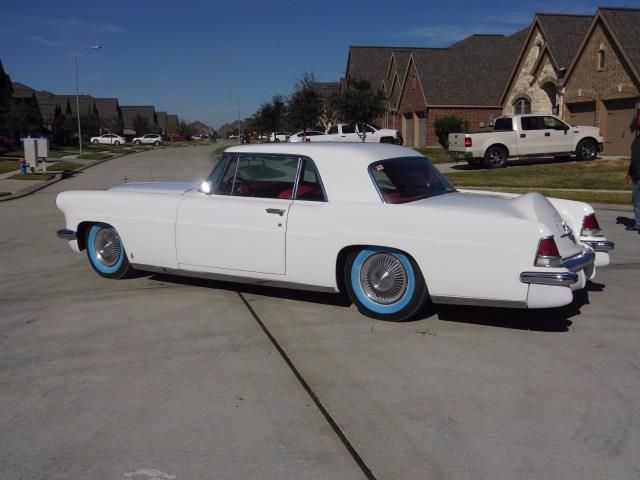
633 175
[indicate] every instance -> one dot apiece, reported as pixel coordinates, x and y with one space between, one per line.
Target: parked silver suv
149 139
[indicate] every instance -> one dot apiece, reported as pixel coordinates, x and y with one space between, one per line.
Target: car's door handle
547 134
523 135
277 211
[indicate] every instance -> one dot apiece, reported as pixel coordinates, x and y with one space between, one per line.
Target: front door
242 225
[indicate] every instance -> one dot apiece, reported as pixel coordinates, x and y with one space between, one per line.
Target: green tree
6 90
357 104
23 118
113 125
184 128
449 124
141 125
305 104
90 125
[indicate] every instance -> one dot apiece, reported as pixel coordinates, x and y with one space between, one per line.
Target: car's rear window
402 180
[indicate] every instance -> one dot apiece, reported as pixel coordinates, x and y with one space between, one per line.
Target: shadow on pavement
325 298
543 320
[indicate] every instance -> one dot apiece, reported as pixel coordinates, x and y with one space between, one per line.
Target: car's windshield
402 180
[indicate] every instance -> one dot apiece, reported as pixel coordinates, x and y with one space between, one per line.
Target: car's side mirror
205 187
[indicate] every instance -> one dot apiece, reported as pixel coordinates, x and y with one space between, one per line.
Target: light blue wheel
106 251
383 281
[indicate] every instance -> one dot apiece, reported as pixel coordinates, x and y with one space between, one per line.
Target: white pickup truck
343 132
525 135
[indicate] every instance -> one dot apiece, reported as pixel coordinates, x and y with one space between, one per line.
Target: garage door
617 137
582 113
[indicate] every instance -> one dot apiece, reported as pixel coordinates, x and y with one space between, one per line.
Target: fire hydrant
22 163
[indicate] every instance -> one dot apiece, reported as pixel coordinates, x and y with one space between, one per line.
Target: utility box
30 151
36 149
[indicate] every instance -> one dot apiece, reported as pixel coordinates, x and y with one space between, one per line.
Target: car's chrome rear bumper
600 245
67 234
582 261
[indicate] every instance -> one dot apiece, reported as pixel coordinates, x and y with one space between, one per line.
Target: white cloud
34 38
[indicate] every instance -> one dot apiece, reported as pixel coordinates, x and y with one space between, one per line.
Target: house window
601 58
522 106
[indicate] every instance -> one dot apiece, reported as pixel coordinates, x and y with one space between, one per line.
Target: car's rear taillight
468 142
590 226
548 254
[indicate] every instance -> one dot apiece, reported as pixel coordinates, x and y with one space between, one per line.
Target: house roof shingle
468 76
625 23
564 34
108 108
129 113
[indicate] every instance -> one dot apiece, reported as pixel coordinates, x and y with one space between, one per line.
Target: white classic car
109 139
376 221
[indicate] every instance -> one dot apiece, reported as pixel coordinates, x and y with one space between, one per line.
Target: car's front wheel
106 252
587 150
95 142
385 284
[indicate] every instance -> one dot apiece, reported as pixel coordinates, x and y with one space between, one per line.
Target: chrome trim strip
67 234
232 278
580 261
478 302
600 245
549 278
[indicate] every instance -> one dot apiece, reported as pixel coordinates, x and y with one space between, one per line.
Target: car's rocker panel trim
478 302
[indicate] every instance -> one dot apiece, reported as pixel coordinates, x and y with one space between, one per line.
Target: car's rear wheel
106 252
385 284
587 149
117 143
496 157
137 142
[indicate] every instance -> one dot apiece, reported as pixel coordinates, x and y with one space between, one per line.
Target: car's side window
348 129
553 123
333 130
530 123
260 176
309 183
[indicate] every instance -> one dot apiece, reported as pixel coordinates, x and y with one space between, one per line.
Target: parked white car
344 132
109 138
149 139
525 135
308 136
279 136
377 221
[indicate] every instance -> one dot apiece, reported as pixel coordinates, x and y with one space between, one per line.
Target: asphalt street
161 377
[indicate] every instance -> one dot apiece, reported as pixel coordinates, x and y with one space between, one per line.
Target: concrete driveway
167 378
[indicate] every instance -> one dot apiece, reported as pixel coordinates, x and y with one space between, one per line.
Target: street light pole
75 56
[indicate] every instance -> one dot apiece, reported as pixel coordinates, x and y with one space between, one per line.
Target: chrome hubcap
107 247
383 278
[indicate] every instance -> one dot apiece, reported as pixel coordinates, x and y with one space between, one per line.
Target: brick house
465 80
602 84
130 112
551 44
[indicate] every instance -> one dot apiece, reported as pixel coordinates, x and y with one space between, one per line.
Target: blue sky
205 60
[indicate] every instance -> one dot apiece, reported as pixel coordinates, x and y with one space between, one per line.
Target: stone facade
532 74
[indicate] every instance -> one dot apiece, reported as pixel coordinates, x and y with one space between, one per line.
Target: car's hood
531 206
176 188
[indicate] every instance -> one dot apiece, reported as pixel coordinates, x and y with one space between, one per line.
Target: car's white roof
343 167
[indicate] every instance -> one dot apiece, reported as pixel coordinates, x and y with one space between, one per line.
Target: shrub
449 124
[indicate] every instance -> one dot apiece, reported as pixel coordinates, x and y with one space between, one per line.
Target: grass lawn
93 156
592 175
32 176
435 154
8 166
61 153
220 150
56 167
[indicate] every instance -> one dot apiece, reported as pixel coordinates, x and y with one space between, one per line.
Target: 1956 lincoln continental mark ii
376 221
